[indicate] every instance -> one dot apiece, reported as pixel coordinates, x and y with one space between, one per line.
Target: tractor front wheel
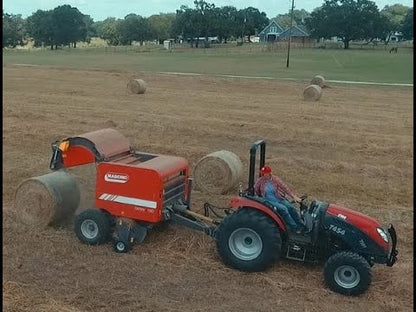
347 273
92 227
248 240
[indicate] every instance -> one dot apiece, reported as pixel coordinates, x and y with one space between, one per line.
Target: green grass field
372 65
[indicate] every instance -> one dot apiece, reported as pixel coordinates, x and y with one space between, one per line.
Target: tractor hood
361 221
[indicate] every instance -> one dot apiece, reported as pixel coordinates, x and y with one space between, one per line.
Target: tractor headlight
383 234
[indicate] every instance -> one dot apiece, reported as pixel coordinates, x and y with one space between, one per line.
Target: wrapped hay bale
312 93
318 80
137 86
46 200
218 172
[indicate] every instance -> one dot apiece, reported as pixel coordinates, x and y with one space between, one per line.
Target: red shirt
281 188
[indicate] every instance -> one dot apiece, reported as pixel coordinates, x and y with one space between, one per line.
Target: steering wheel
303 203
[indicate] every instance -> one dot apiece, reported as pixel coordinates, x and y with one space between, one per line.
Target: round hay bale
47 200
318 80
86 179
218 172
137 86
312 93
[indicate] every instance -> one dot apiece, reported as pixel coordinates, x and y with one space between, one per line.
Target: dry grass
353 148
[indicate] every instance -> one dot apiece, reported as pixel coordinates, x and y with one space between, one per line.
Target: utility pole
290 34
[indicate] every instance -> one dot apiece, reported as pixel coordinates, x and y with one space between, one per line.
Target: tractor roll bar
253 152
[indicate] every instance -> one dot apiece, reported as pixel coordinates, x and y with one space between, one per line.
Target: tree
346 19
226 22
396 15
255 21
40 28
205 19
185 24
250 21
144 30
91 31
299 17
14 30
161 26
194 23
109 30
129 29
407 26
379 28
63 25
68 25
284 20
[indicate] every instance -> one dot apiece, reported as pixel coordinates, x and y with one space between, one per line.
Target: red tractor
136 191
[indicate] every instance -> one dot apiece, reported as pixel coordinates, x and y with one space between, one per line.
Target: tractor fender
241 202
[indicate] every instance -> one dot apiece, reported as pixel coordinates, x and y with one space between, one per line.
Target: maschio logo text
116 177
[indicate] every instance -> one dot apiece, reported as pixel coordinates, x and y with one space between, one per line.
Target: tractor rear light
383 234
64 145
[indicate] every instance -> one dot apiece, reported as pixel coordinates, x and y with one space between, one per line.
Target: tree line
346 19
360 20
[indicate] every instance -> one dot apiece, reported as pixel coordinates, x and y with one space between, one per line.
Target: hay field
353 147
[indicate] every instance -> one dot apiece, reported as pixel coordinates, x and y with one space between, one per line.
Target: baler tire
347 273
121 246
240 230
93 227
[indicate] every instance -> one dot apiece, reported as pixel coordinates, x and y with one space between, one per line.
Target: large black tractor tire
248 240
93 227
347 273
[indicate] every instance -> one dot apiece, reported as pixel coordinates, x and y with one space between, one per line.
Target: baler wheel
122 246
92 227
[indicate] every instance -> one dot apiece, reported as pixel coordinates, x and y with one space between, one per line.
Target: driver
277 193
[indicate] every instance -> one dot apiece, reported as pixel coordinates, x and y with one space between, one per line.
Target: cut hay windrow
47 200
137 86
312 93
218 172
318 80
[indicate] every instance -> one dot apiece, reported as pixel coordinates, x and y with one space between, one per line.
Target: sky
101 9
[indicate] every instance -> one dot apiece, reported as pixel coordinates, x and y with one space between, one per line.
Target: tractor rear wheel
92 227
347 273
248 240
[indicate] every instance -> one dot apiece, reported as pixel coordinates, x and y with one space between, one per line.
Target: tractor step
304 252
296 252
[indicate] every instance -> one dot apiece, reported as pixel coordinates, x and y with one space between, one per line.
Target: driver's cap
266 170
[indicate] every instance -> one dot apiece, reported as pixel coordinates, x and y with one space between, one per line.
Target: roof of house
295 31
266 30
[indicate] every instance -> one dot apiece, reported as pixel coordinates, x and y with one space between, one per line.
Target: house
298 33
271 32
396 36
